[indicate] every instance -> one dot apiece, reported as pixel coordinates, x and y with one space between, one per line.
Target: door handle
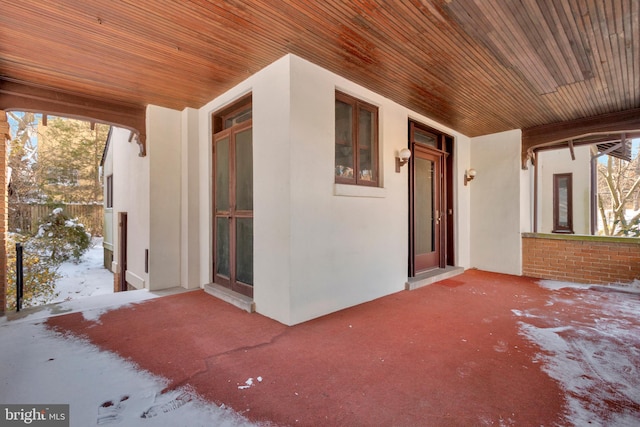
437 216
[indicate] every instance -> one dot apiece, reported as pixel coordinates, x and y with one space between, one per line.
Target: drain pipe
593 192
535 191
19 277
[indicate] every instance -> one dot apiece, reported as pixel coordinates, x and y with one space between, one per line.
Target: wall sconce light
402 158
469 174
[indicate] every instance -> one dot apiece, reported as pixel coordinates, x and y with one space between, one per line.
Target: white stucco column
164 151
190 201
495 211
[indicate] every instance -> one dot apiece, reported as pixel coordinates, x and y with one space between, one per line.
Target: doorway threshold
432 276
243 302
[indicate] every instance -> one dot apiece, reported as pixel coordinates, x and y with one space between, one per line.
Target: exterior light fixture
402 158
469 174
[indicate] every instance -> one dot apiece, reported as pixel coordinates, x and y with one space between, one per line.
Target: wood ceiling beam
558 134
17 95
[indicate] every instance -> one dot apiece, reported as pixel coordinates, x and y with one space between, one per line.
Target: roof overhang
605 131
16 95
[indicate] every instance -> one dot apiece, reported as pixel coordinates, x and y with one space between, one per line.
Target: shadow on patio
479 349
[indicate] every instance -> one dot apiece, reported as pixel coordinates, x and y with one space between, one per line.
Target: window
562 203
109 195
236 114
356 141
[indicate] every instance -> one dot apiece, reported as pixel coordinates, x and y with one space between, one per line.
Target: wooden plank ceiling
476 66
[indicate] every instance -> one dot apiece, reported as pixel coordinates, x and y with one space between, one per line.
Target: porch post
5 134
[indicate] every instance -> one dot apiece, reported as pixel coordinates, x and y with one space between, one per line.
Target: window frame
356 106
109 191
219 118
557 228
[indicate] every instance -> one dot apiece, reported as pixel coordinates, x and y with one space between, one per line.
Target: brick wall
581 259
4 135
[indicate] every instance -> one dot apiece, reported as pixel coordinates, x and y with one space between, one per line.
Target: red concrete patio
456 353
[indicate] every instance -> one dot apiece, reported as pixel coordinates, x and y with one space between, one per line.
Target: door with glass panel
233 208
427 210
427 201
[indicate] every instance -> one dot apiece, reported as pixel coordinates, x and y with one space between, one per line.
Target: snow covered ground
590 344
41 366
86 278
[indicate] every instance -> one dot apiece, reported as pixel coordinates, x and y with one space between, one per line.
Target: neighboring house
565 191
126 216
106 168
567 188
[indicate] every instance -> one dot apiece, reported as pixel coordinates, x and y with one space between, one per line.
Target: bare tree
618 192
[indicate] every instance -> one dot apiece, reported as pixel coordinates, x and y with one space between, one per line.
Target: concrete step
241 301
432 276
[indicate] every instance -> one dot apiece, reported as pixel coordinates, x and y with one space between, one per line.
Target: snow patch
554 285
46 367
86 278
249 383
521 313
593 350
91 307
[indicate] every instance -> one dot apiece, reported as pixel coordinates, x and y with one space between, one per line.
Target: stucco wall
319 247
272 162
346 249
496 202
462 203
164 153
559 161
107 226
190 201
131 195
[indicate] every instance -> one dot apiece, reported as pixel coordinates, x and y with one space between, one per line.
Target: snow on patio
590 344
41 366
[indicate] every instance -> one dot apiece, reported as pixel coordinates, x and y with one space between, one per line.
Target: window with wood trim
356 145
109 195
562 203
239 112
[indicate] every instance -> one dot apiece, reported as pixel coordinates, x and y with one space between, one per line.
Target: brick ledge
583 237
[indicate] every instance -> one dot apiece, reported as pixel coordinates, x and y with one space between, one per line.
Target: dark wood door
233 208
427 209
